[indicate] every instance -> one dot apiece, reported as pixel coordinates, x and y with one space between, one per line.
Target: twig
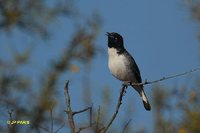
10 114
97 121
71 114
90 124
45 129
10 126
81 111
165 78
51 116
117 107
90 116
126 126
83 128
69 110
60 128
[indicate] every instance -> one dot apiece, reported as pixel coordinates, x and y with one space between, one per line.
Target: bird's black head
115 40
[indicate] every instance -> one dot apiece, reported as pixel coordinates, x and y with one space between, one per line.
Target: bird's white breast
118 65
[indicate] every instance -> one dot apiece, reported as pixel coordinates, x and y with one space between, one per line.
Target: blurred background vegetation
31 96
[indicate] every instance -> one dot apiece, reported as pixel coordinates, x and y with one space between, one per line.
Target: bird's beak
107 34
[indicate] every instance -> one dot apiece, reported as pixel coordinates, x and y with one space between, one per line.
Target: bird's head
115 40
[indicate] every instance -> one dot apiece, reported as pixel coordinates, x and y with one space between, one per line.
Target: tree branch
90 113
83 128
165 78
71 114
123 90
81 111
69 110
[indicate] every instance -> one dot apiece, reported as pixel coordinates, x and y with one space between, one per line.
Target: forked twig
71 114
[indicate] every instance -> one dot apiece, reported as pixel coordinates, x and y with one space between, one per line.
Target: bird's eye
115 38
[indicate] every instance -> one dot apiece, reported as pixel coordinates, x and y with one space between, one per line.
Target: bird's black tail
145 101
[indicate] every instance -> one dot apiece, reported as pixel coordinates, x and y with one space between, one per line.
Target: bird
123 66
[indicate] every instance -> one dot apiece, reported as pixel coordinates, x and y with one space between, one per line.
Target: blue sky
161 35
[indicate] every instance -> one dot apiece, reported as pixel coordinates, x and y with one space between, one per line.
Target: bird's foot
126 84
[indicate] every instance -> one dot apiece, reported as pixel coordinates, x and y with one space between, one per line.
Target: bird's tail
145 101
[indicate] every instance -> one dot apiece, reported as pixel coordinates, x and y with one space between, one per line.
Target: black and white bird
123 66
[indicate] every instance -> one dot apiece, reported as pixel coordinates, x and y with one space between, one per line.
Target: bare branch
10 127
51 116
91 116
71 114
45 129
123 89
97 121
10 114
83 128
90 124
81 111
165 78
126 126
69 110
60 128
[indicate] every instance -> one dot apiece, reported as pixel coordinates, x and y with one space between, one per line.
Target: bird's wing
134 68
